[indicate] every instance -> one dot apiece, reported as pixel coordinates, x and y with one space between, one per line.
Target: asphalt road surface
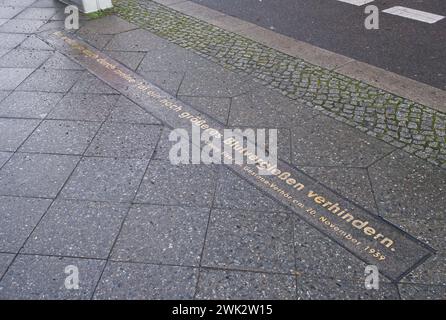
408 47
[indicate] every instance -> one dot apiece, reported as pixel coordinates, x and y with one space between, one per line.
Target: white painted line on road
414 14
357 2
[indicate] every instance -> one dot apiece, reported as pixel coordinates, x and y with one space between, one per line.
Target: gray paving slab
432 272
4 94
217 108
77 229
323 141
328 289
107 25
263 107
21 104
36 175
34 43
3 52
166 80
61 136
8 12
24 58
137 40
14 131
105 179
168 184
51 26
5 261
128 58
18 3
96 40
318 256
125 140
351 182
11 40
21 26
134 281
19 216
129 112
3 21
59 61
36 14
405 186
50 80
258 241
88 83
4 156
422 292
235 193
230 285
162 235
10 78
47 4
43 278
78 107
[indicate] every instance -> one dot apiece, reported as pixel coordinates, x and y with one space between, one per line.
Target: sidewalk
85 178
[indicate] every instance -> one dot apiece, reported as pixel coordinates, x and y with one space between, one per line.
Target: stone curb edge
374 76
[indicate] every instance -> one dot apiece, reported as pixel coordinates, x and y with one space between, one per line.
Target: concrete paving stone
78 107
59 61
187 184
162 235
77 229
65 137
24 58
36 175
433 271
407 187
51 26
216 82
107 25
128 58
238 285
14 131
49 80
43 278
351 182
36 14
164 145
8 12
11 40
175 58
4 156
105 179
318 256
129 112
88 83
126 140
10 78
48 4
422 292
16 3
256 241
98 41
218 108
3 52
167 81
329 289
267 108
22 104
4 94
135 281
5 261
19 216
234 192
34 43
137 40
3 21
323 141
21 26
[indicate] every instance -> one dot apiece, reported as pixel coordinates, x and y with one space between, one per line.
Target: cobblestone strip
405 124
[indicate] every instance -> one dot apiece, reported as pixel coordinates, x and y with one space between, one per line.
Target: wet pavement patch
367 236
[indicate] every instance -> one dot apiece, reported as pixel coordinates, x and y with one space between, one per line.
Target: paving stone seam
380 119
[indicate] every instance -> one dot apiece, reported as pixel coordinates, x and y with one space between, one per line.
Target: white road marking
414 14
357 2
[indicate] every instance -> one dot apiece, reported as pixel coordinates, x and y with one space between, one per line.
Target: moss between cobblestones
417 129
